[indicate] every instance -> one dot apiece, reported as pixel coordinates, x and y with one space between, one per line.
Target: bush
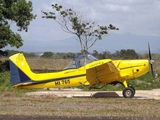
5 81
4 65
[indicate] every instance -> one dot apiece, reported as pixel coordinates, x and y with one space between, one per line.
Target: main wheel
133 89
128 92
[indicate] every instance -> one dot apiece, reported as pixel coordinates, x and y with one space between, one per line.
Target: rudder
19 69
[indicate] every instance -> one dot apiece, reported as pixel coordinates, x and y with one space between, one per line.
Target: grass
5 81
145 82
13 102
47 64
53 106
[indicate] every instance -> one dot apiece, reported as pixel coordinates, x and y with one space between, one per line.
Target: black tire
128 92
133 89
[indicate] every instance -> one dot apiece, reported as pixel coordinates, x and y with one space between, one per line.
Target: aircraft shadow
106 95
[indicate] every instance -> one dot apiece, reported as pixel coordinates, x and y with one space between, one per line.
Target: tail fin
19 69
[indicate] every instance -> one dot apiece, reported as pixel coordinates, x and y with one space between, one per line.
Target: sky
136 17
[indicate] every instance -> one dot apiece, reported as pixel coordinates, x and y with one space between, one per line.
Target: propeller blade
150 60
152 72
150 57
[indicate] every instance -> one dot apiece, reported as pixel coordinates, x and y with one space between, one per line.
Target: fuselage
128 69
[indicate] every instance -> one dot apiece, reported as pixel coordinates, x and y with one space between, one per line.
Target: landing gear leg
129 91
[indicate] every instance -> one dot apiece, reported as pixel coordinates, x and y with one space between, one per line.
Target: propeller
150 60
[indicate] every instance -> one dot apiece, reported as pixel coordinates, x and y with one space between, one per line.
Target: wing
105 73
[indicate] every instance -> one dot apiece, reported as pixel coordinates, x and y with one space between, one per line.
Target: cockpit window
70 65
92 58
80 61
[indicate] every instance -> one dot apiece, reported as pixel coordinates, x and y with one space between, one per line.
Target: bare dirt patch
13 106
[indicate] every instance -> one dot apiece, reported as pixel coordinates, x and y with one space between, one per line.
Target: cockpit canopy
80 61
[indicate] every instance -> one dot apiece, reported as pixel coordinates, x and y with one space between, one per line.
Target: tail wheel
128 92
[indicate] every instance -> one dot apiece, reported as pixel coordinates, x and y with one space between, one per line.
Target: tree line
119 54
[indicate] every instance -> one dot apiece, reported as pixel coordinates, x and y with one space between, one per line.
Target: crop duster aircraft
82 70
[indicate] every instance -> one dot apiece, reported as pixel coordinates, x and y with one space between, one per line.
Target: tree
47 55
71 22
18 12
126 54
95 53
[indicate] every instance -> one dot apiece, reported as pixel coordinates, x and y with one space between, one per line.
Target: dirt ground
22 117
52 107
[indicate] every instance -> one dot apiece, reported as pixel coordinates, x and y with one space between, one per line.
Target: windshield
80 61
70 65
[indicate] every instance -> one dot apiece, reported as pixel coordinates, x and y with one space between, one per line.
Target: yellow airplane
82 70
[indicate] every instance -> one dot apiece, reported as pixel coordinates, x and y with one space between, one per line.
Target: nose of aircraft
140 67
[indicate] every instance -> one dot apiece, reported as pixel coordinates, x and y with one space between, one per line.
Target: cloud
139 17
135 16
